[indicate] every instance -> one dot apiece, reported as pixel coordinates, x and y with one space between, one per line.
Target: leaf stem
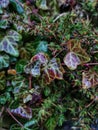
14 117
91 64
30 81
90 104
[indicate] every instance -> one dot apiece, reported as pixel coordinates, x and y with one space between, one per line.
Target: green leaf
42 47
51 123
2 99
17 6
1 11
30 123
8 43
42 4
4 61
3 24
18 83
20 66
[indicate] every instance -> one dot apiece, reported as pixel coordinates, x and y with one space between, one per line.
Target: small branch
2 110
59 17
89 104
58 53
91 64
14 118
94 52
30 81
19 2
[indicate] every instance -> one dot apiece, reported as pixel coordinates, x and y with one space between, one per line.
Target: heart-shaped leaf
53 70
89 79
8 43
4 61
42 4
37 62
42 47
23 111
71 60
40 64
17 6
4 3
20 66
75 46
3 24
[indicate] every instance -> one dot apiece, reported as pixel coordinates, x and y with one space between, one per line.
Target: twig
91 64
14 118
94 52
90 104
58 53
2 110
30 81
19 2
59 17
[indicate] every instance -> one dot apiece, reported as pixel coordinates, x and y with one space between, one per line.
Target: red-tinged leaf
41 57
24 112
54 70
40 63
51 73
47 77
37 62
89 79
71 60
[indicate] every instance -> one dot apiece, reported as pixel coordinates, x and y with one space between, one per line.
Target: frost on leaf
71 60
8 43
53 70
4 3
89 79
37 62
4 61
23 111
75 46
50 69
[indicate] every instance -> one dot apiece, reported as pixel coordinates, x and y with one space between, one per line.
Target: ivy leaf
17 6
42 4
4 61
75 46
8 43
18 83
30 123
53 70
34 67
20 65
2 99
3 24
71 60
22 111
40 63
89 79
4 3
42 47
41 57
